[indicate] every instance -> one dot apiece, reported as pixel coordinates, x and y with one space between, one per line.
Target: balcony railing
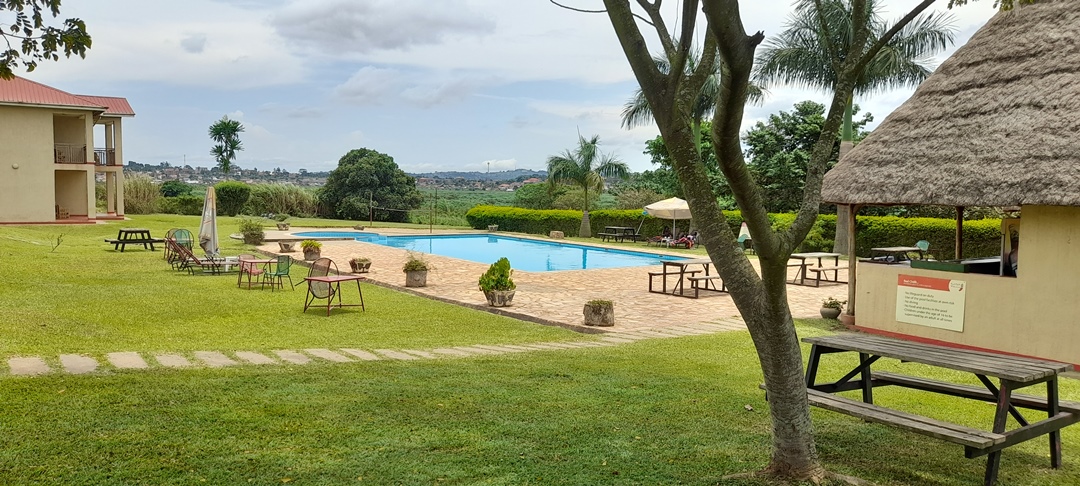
69 153
105 156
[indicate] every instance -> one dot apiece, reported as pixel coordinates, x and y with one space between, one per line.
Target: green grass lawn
663 411
83 297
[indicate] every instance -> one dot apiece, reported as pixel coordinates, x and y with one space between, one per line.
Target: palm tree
226 133
817 39
585 167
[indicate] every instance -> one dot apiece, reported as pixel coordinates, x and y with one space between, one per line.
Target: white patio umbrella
208 239
672 209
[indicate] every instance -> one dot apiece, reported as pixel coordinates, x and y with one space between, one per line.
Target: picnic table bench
133 236
1012 373
680 269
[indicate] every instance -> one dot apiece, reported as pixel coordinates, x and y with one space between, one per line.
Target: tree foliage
176 188
226 135
537 196
29 39
231 197
364 175
779 152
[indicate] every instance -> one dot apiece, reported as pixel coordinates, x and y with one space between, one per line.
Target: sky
447 85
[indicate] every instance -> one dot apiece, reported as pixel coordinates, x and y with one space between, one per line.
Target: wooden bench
607 236
696 283
663 275
818 271
881 378
957 434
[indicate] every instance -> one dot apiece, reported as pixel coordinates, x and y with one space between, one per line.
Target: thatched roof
998 123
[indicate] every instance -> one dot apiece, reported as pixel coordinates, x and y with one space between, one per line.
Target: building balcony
69 153
105 156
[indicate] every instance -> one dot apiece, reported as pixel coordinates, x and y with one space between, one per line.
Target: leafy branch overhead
29 39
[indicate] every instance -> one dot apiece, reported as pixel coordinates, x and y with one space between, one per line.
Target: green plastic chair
924 248
281 270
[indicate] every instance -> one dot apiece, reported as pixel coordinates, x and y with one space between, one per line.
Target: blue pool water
524 254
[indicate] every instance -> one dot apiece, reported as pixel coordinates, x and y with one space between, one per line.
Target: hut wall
1035 314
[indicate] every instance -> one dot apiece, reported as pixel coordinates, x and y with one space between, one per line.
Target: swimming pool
524 254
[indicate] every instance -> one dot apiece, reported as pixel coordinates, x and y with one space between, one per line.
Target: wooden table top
1014 368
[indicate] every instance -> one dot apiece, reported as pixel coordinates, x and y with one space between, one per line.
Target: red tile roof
20 91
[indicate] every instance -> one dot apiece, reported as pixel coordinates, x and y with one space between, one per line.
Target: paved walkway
77 364
559 297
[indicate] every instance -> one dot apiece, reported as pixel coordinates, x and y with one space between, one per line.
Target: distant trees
36 40
226 134
176 188
537 196
585 167
363 176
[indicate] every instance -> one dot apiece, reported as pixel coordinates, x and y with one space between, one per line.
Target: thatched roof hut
998 123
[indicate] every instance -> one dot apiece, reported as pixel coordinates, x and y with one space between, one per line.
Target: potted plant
252 231
416 270
360 264
312 250
831 308
282 221
599 312
497 285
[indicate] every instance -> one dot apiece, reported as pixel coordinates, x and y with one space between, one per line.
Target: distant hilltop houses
487 181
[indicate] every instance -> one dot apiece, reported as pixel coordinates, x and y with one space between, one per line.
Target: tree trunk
847 142
585 231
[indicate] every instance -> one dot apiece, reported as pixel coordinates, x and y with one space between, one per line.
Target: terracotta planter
417 278
312 255
360 267
283 226
600 315
829 313
499 298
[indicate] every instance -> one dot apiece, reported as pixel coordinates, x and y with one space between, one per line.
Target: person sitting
661 239
687 240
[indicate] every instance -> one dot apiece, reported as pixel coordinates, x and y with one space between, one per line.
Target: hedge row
981 237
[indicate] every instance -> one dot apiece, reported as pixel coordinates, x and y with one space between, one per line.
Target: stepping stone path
77 364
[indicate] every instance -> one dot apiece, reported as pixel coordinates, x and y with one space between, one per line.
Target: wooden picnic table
680 268
133 236
619 233
1012 373
804 265
893 254
335 282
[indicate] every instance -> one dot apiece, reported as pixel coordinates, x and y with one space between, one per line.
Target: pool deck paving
558 297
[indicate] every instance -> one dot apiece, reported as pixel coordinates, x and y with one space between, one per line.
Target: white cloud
361 27
194 43
370 85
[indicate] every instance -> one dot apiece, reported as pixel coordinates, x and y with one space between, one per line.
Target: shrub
415 264
175 188
497 276
981 237
281 199
252 231
189 205
141 196
281 217
310 245
231 197
831 303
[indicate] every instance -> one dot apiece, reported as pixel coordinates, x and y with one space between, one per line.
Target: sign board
932 302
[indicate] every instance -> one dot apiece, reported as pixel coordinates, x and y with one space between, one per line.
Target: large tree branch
643 19
657 21
650 78
834 59
736 50
686 38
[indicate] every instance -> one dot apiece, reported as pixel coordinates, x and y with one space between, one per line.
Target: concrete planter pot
283 226
287 246
499 298
312 255
830 313
600 314
416 278
360 267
